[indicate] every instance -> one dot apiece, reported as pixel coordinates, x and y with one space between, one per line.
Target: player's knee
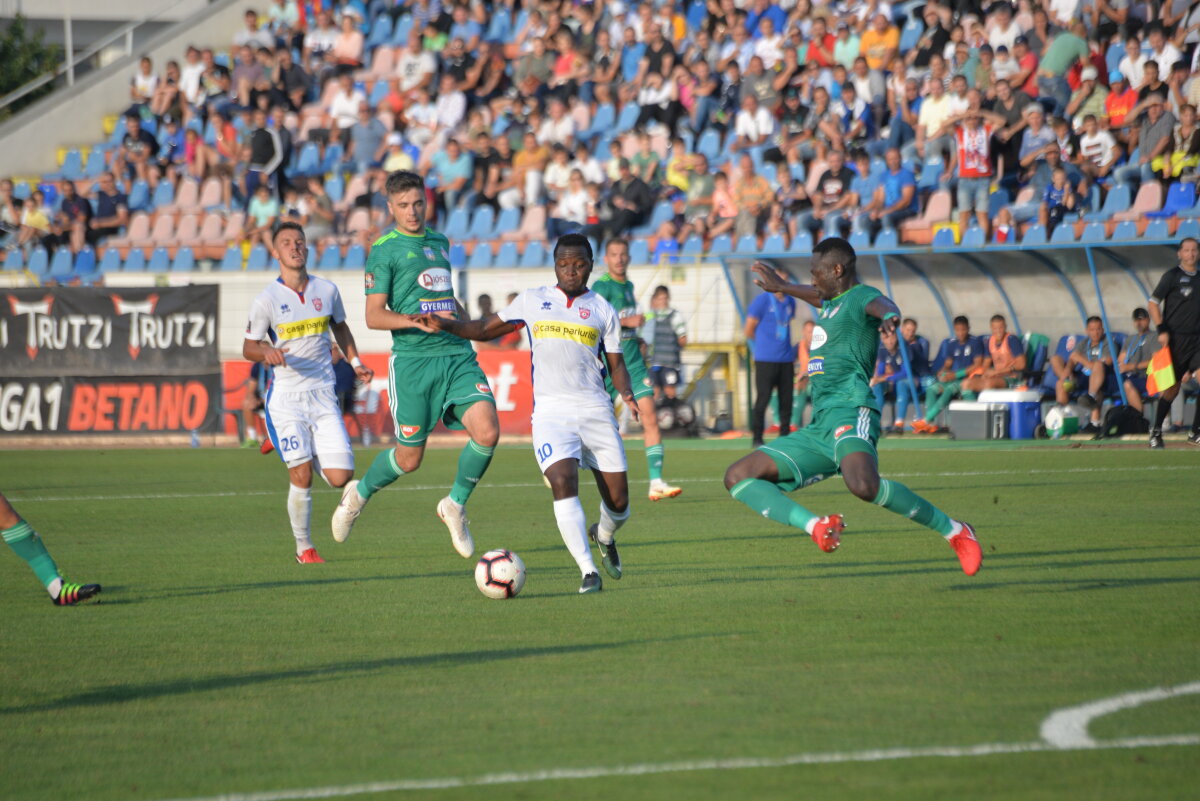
408 459
864 487
736 474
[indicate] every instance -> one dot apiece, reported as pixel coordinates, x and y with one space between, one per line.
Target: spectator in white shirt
570 212
415 66
558 127
451 105
320 39
1002 28
189 77
1133 62
252 36
343 108
1161 50
558 172
753 125
589 165
420 117
769 46
1097 149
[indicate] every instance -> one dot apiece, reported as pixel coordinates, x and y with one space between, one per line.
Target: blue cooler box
1024 409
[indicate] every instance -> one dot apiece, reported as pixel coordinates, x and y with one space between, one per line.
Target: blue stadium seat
697 15
381 31
509 220
160 261
458 256
135 262
660 214
721 245
535 255
379 93
1119 199
666 251
931 174
184 261
1125 230
330 259
309 160
356 258
996 201
803 243
85 262
710 144
259 259
1094 232
14 260
457 224
139 197
507 256
747 244
481 257
62 265
1157 229
944 238
483 223
1064 234
604 119
500 26
39 261
118 133
1180 196
639 252
860 239
886 239
1192 213
973 237
335 187
164 195
692 247
1190 227
96 164
72 166
774 244
232 260
401 30
628 118
334 154
1035 235
22 190
911 34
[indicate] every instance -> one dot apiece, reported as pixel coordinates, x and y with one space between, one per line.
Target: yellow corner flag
1160 375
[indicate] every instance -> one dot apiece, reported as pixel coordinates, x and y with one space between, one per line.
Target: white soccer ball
500 574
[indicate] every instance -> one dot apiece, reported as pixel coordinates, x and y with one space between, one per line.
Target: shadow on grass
124 693
186 592
1078 585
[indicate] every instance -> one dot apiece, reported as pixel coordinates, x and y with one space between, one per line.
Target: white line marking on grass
1068 728
647 769
398 487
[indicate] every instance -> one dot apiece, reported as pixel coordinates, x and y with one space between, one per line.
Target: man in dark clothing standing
1175 308
631 202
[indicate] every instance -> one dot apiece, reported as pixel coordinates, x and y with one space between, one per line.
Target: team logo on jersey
816 366
444 254
369 280
647 382
442 305
317 304
429 253
408 431
546 305
819 338
1186 291
829 312
436 279
584 313
483 388
837 432
285 309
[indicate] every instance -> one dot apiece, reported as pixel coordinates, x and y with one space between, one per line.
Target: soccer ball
500 574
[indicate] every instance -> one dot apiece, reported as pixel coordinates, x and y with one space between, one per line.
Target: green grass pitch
216 665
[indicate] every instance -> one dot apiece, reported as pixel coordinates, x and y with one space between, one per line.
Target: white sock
300 511
55 587
572 525
811 524
958 529
251 435
610 521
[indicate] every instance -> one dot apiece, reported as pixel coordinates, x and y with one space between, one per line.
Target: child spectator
261 216
1058 199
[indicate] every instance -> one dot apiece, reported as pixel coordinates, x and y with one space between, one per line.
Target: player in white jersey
573 424
297 313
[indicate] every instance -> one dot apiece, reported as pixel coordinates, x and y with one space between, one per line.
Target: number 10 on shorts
543 452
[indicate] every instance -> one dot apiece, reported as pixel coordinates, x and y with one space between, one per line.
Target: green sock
934 403
769 501
895 497
654 462
383 471
472 464
28 545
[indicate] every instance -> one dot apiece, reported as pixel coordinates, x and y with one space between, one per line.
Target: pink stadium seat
533 226
138 229
161 234
383 64
187 230
1149 198
187 197
815 171
359 220
356 187
210 233
919 231
210 194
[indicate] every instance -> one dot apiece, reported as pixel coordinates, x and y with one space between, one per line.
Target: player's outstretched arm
255 351
769 280
345 340
622 381
380 318
483 329
882 308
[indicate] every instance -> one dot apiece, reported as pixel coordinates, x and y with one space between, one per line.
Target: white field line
400 486
1068 728
647 769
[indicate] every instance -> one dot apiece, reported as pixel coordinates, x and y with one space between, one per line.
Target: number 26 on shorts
288 444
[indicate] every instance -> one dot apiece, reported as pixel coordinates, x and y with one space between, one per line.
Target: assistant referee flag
1160 375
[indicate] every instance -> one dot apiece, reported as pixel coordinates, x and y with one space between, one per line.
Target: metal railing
68 69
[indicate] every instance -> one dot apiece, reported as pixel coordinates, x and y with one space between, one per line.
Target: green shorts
815 452
639 378
425 389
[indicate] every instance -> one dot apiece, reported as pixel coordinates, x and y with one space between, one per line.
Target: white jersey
299 322
566 335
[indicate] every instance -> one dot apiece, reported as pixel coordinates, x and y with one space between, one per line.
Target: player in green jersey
617 289
845 427
431 376
26 543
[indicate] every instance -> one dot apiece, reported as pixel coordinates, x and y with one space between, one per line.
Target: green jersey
841 358
413 271
620 296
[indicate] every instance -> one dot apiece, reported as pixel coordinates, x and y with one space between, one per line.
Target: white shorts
587 435
305 424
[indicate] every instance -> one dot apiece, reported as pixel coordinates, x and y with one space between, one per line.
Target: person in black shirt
74 215
290 79
631 201
933 40
457 61
1175 308
792 119
833 197
137 152
112 211
659 56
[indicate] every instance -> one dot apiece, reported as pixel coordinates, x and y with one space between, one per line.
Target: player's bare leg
300 506
563 476
659 489
861 473
26 543
754 480
614 511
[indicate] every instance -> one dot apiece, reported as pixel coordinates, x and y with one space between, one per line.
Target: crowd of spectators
676 121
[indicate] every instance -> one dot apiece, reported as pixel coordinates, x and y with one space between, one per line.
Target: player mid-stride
298 312
845 427
431 375
572 413
21 537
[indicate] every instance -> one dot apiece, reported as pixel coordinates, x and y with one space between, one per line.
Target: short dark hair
402 181
574 241
837 250
1141 314
1187 239
998 318
1095 318
616 240
661 289
962 320
289 225
908 320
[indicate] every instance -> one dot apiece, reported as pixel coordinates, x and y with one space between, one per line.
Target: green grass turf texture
215 664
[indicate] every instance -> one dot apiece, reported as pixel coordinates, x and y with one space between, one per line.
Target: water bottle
195 438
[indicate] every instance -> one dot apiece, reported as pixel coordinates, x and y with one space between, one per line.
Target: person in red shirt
1028 62
1120 101
972 158
821 43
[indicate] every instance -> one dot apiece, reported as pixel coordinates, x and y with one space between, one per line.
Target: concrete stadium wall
71 116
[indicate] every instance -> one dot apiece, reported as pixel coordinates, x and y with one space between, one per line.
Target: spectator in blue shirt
112 211
891 379
453 170
631 56
769 330
764 9
465 28
894 199
904 109
918 352
958 357
1058 200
